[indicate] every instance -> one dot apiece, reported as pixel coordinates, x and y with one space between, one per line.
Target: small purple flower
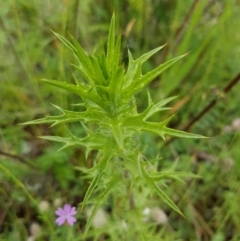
66 215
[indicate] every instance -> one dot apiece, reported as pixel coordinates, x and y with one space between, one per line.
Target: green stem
29 196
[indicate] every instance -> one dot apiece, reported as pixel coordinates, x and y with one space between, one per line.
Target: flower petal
67 208
72 211
60 212
60 221
71 220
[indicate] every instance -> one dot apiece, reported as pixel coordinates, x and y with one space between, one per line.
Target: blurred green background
208 30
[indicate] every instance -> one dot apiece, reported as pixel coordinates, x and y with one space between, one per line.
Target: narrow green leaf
81 70
116 85
84 61
111 45
147 55
85 64
97 71
82 56
102 61
166 101
80 89
173 175
66 117
133 73
46 120
131 70
183 134
117 55
68 141
65 42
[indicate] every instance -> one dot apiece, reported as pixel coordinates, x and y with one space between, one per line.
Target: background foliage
207 30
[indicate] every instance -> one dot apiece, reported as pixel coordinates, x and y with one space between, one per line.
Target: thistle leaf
133 70
117 133
71 117
98 201
101 166
154 187
117 55
154 108
83 58
148 55
183 134
65 42
111 46
141 82
115 86
90 142
79 89
173 175
97 71
134 66
136 123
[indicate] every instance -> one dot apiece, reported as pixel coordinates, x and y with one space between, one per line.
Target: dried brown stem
19 158
180 28
232 83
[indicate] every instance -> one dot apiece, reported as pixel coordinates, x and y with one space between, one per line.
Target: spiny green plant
111 118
